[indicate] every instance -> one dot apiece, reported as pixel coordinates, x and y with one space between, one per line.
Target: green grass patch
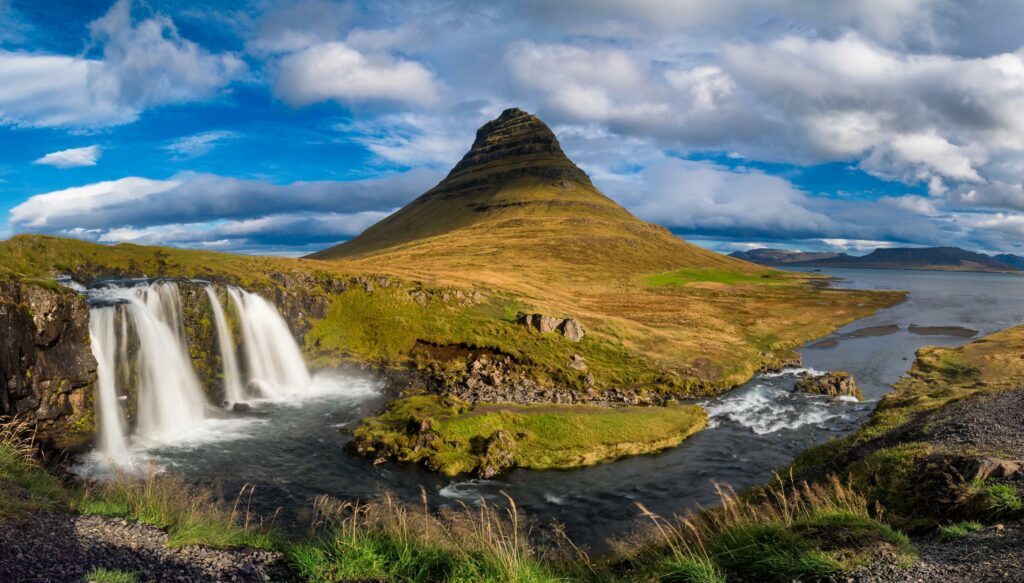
102 575
546 436
958 529
713 275
191 515
390 541
788 531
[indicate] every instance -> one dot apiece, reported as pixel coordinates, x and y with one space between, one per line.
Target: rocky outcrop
46 363
498 456
570 328
833 384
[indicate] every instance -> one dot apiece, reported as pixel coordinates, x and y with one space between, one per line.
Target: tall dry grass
785 530
190 513
390 540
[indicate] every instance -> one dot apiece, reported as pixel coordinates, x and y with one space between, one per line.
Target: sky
282 127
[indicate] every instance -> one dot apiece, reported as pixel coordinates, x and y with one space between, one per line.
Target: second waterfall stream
148 391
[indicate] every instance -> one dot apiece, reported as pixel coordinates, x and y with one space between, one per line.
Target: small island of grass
454 437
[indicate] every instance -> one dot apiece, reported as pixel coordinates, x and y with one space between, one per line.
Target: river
293 452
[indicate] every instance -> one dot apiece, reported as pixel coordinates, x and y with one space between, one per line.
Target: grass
783 532
102 575
545 436
893 461
189 514
958 529
713 275
390 541
690 339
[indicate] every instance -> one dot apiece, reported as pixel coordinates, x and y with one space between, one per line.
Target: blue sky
283 127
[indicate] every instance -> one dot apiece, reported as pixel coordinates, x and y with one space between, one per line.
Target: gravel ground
989 422
993 554
47 546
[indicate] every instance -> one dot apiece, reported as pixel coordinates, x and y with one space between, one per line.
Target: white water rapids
145 370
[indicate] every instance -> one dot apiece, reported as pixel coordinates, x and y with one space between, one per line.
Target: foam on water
770 405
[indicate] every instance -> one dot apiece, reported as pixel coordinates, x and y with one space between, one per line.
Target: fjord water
294 450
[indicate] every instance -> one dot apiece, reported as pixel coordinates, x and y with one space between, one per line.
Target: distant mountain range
940 258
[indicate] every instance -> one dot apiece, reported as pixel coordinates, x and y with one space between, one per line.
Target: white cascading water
103 333
272 357
171 401
232 377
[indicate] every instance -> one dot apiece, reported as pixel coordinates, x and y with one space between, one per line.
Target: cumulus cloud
142 64
200 208
199 144
336 71
703 197
72 158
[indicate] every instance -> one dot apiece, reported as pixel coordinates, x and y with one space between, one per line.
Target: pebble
57 547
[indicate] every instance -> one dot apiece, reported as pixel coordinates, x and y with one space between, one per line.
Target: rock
499 455
47 370
571 329
984 468
834 384
241 407
578 363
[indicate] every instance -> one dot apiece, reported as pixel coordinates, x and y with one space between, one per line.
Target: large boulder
833 384
498 456
570 328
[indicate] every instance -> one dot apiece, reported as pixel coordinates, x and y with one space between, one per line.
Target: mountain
939 258
518 219
766 256
516 200
1010 259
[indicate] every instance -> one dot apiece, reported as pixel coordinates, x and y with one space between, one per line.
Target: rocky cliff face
47 369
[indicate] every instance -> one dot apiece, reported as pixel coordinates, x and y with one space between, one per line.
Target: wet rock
499 455
241 407
833 384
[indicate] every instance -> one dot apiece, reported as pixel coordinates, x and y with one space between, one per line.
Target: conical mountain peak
517 138
516 199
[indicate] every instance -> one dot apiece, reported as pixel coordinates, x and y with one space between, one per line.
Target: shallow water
293 452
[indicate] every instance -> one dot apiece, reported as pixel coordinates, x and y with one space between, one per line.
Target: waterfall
103 337
171 399
139 341
273 359
232 378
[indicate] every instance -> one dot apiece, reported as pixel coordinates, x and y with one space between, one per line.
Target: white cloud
72 158
67 207
144 64
199 144
197 209
336 71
